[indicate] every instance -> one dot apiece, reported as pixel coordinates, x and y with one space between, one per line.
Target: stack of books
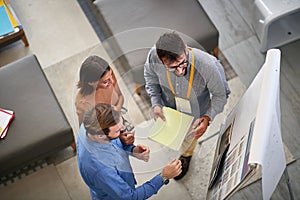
6 117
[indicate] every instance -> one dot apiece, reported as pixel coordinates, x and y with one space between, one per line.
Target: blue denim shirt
106 169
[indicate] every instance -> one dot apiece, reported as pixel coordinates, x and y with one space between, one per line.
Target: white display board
255 135
267 147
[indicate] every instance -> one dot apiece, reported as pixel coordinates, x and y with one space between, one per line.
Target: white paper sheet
267 147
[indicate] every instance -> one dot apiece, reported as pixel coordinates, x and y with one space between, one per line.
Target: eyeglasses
183 64
128 126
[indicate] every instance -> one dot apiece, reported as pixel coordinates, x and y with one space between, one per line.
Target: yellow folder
9 12
172 132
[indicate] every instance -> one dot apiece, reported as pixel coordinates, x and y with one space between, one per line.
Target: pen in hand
198 124
193 130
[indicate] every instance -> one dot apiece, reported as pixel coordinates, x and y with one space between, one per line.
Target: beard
184 73
111 138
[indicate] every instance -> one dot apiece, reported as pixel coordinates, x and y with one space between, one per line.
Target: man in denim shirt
103 159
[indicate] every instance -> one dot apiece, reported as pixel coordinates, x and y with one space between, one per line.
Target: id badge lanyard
182 104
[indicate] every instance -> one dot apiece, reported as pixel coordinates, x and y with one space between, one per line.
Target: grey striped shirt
208 95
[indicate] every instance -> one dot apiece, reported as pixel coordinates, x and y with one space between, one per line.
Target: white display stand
250 138
276 22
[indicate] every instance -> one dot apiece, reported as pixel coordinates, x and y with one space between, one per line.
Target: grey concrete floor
61 37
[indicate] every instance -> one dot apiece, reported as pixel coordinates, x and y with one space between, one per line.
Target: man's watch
164 179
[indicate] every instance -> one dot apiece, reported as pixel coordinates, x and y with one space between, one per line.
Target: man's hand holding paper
158 112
